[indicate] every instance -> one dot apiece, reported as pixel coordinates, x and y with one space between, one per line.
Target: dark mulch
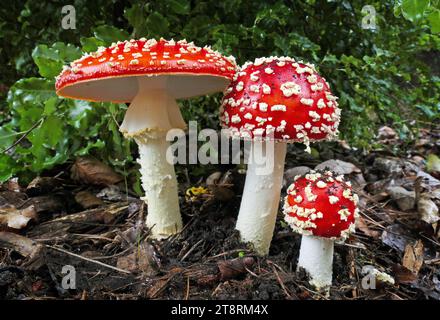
206 260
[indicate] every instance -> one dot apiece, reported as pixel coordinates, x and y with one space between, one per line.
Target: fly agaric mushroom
322 207
281 100
150 75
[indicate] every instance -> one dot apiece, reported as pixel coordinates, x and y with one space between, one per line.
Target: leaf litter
84 217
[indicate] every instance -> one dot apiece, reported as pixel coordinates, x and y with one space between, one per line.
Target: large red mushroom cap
109 74
282 99
321 204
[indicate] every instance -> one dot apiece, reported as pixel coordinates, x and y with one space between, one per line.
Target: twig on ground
88 259
216 289
187 289
191 249
280 281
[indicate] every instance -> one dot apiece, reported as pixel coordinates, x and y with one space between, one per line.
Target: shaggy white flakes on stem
260 200
150 115
160 185
316 258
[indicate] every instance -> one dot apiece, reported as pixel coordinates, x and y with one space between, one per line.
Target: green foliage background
389 75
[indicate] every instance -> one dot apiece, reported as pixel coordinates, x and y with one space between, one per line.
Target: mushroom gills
125 88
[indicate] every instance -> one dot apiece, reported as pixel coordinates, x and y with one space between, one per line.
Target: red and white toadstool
322 207
150 75
281 100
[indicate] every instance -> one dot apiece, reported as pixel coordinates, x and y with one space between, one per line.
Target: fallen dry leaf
404 199
80 221
232 268
385 133
394 166
12 185
12 198
42 185
214 178
428 210
50 203
362 225
413 257
221 193
112 193
403 275
428 179
88 200
24 246
14 218
92 171
142 259
397 237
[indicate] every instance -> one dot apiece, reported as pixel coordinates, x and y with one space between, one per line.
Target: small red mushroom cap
94 76
282 99
321 204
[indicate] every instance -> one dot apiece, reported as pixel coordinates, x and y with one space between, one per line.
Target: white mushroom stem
150 115
261 195
316 258
160 185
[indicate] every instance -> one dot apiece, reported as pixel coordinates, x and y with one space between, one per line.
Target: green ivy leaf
414 9
7 136
79 112
197 27
50 106
66 52
434 20
47 134
32 91
109 34
99 144
7 167
91 44
157 24
136 17
182 7
274 15
281 43
426 110
50 60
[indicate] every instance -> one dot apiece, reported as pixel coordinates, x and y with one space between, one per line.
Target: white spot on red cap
333 199
263 106
254 76
278 107
268 70
307 102
290 88
235 118
266 89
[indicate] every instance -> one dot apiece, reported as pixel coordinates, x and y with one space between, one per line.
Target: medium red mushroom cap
109 73
281 97
321 204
